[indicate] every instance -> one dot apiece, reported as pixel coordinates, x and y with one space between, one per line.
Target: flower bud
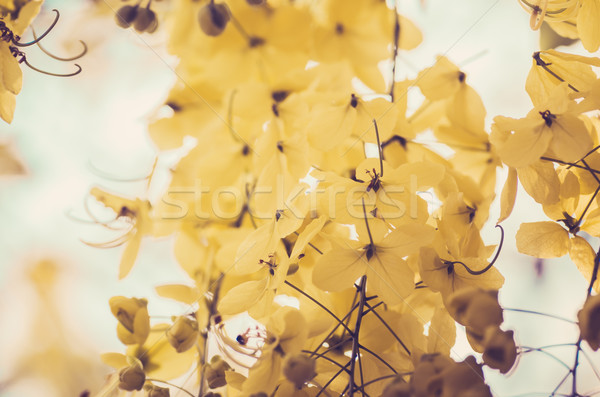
131 378
464 378
156 391
183 334
425 380
145 21
475 309
500 351
299 369
126 15
134 323
215 372
589 322
213 18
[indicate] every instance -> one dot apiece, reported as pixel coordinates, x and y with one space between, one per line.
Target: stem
533 349
592 170
320 305
395 44
544 65
347 316
355 344
379 150
332 379
587 207
382 378
389 329
539 314
322 355
212 310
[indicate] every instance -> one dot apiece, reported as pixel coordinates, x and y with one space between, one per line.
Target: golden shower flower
132 377
553 126
12 76
183 334
134 323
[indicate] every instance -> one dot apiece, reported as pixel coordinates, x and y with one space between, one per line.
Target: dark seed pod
213 18
145 21
126 15
256 2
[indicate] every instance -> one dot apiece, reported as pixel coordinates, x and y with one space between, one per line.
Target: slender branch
539 314
349 316
593 170
320 305
540 350
378 357
587 166
385 324
323 356
395 44
544 65
561 383
212 310
379 149
345 318
587 207
332 379
355 343
383 378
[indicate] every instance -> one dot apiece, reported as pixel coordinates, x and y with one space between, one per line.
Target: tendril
37 39
45 51
489 266
23 59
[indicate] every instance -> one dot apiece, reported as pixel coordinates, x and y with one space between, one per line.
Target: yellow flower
157 357
552 125
183 334
12 76
378 255
132 377
287 331
134 323
137 214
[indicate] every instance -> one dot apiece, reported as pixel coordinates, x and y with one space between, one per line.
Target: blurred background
70 134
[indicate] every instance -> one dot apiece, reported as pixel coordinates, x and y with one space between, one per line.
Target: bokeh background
90 130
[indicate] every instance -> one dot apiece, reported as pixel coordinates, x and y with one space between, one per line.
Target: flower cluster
307 183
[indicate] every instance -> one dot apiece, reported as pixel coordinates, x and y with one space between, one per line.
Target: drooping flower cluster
306 183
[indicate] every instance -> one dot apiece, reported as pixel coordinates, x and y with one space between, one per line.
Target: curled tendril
21 57
14 40
37 39
489 266
85 49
